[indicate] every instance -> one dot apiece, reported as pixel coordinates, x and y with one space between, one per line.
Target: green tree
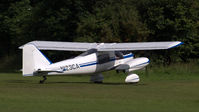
17 21
172 20
112 21
5 41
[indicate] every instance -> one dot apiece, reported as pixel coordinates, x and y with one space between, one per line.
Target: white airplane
97 58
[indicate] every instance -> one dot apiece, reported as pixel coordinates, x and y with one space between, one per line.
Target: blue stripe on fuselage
87 63
128 56
84 65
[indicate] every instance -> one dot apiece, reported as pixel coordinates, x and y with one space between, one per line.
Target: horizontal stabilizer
80 46
47 71
44 72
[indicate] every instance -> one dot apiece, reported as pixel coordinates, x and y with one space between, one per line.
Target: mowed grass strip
155 93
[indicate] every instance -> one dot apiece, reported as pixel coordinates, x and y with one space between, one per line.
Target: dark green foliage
116 21
22 21
173 20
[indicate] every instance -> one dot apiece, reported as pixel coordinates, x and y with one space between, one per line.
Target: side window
125 52
103 58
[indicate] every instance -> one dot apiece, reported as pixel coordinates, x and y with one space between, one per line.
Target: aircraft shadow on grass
62 82
106 83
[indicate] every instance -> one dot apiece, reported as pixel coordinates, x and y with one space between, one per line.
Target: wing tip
176 44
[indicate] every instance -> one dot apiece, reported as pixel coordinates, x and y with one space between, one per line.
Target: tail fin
33 60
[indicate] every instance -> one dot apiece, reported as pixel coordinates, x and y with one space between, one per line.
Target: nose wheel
42 81
132 78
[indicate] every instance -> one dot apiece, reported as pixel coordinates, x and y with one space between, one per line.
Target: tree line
22 21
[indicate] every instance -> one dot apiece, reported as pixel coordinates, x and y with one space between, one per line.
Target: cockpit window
125 52
121 54
118 54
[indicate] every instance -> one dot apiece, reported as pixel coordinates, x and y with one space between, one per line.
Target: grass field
159 91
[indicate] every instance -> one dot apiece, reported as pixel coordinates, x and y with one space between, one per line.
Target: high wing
81 46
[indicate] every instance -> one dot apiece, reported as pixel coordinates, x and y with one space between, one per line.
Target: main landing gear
42 81
97 78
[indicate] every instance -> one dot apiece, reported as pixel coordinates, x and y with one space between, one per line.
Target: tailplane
33 60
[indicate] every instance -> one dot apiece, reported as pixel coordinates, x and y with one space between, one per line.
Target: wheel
98 82
41 81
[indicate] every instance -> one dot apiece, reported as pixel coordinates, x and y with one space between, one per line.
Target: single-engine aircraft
97 58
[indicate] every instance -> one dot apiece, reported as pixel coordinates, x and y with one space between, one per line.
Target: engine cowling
137 63
133 64
132 78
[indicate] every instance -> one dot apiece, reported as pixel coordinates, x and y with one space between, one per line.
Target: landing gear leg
42 81
97 78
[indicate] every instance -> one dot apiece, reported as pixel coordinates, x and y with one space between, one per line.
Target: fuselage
89 64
